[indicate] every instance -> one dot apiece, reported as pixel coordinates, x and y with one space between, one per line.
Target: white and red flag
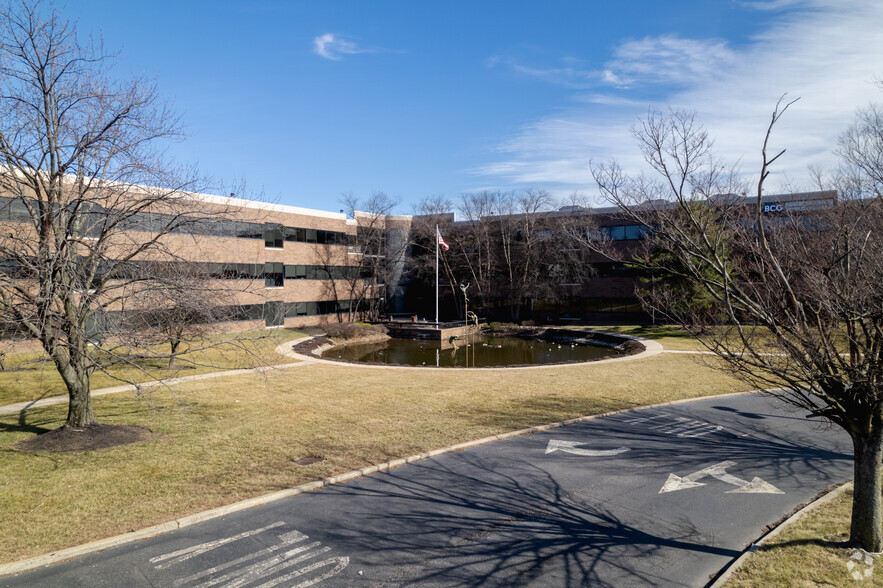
441 241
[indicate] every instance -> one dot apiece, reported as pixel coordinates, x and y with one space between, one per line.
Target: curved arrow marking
571 447
719 471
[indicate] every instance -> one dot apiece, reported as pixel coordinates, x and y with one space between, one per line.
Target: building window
621 233
274 314
274 276
295 272
273 237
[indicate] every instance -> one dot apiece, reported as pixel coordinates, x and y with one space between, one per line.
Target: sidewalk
63 399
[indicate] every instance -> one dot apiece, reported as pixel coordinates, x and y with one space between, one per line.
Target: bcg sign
773 207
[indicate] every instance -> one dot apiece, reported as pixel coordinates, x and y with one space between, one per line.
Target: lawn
31 376
228 439
671 337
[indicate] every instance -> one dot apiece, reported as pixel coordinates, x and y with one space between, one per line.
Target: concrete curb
737 563
651 348
102 544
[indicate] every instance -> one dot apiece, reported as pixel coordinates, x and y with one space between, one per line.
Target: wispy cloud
826 52
667 59
335 47
568 73
664 59
771 4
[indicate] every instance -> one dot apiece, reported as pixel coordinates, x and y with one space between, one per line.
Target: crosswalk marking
262 565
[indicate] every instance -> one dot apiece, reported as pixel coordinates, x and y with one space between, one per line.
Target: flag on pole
441 241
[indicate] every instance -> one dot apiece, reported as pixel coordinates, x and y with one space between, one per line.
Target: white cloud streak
825 52
335 47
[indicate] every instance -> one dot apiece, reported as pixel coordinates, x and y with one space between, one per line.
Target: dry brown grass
811 552
228 439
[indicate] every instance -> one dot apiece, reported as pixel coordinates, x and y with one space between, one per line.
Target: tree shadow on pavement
513 528
467 519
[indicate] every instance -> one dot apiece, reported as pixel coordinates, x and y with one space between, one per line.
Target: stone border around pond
310 350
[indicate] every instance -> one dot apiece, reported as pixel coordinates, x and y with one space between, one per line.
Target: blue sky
306 101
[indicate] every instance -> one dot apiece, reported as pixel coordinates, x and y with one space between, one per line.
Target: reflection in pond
479 351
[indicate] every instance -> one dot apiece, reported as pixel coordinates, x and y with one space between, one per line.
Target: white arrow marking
719 471
571 447
678 483
756 486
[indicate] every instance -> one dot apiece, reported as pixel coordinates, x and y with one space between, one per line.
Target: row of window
274 313
274 235
275 273
621 233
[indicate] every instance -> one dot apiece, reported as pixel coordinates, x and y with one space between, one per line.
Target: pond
480 351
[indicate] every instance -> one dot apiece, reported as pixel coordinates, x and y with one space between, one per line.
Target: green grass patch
229 439
31 375
671 336
811 552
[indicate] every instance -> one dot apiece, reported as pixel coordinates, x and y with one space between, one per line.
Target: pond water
481 351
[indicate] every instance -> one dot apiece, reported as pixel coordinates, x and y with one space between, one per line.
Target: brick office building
291 266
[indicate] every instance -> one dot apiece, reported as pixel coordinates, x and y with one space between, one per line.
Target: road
658 497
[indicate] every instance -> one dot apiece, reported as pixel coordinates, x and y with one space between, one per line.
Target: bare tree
861 148
180 307
522 234
792 295
507 246
431 214
76 150
378 248
476 244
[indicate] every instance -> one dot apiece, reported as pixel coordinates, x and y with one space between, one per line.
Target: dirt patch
69 439
309 346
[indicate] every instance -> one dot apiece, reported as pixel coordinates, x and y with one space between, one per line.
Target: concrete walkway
651 348
63 399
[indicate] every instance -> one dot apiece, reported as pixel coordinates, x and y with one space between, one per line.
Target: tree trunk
867 520
79 411
71 363
174 343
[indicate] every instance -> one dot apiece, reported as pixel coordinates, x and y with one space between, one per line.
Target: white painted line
271 561
287 539
571 447
709 428
185 554
262 569
342 562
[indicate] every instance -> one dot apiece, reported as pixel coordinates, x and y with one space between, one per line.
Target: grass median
228 439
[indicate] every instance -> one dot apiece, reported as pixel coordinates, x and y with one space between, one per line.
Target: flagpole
436 275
